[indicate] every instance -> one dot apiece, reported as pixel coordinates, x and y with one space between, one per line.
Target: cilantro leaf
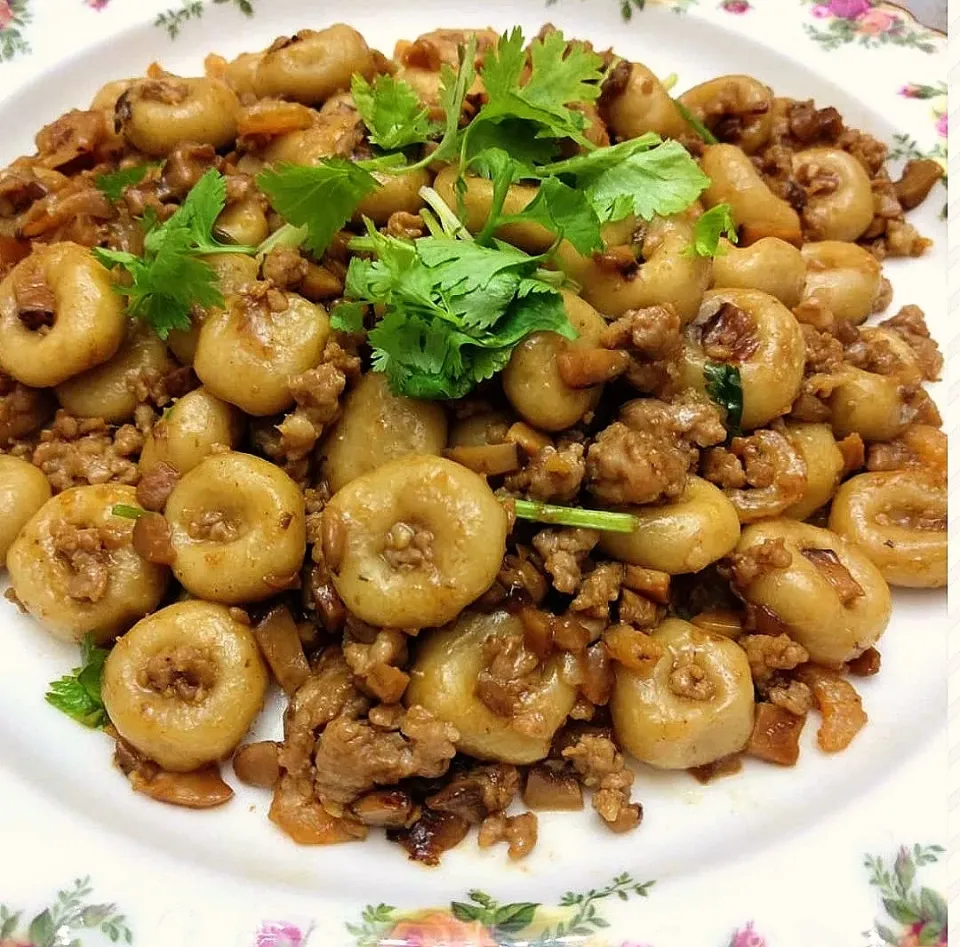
453 92
347 317
77 694
320 197
566 212
695 123
725 388
116 182
453 309
392 111
513 137
648 183
561 209
710 227
560 74
169 279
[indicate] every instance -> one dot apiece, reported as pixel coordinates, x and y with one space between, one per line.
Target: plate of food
473 477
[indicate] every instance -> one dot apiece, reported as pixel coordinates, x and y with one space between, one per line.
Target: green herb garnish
392 112
128 512
453 309
710 227
559 74
725 388
320 198
115 183
77 694
317 200
563 210
695 123
170 278
646 177
571 516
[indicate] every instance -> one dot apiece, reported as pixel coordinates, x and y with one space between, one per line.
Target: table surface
930 12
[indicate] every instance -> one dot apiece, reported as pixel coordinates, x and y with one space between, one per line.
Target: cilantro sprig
171 277
453 309
114 184
645 176
560 73
317 200
127 512
725 387
705 134
392 112
603 520
710 227
77 694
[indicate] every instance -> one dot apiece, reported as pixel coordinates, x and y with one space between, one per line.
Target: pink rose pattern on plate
868 22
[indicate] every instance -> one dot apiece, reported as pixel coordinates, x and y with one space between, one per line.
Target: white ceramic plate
769 857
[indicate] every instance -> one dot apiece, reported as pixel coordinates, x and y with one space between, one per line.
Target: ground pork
520 579
184 167
352 756
509 674
75 135
598 589
553 474
405 226
407 546
563 552
85 552
284 267
22 409
910 325
329 692
213 526
920 445
762 474
478 792
651 336
629 466
317 394
375 662
186 673
637 610
75 451
756 561
160 388
823 351
601 767
769 653
791 695
518 831
689 679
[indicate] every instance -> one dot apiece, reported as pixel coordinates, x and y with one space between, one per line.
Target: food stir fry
518 418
